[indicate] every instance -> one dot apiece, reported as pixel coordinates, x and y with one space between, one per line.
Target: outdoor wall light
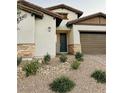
49 29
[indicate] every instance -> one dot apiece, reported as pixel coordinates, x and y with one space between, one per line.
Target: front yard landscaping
75 65
46 77
100 76
62 84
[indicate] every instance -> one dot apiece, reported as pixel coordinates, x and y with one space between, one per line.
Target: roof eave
85 18
35 7
66 7
30 10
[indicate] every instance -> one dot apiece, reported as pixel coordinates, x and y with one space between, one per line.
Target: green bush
62 85
63 58
31 68
75 65
79 56
19 60
100 76
47 58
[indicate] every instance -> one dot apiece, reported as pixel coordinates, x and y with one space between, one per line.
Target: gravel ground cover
84 83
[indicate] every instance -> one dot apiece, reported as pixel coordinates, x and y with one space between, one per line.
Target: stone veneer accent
26 50
73 48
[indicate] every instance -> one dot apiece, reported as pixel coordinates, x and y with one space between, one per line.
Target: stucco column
74 42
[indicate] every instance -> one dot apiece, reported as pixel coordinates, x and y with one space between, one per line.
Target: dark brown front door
63 42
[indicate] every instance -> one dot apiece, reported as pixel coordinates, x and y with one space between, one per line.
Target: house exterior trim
66 7
35 7
90 24
86 18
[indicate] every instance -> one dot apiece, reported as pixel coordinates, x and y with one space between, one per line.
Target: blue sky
87 6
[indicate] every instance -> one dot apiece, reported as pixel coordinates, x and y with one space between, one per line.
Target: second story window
65 15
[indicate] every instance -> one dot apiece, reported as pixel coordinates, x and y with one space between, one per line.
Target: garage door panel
93 43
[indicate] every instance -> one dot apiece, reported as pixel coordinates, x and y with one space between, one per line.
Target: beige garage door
93 42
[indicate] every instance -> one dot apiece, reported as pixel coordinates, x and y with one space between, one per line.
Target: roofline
85 18
66 7
35 8
30 10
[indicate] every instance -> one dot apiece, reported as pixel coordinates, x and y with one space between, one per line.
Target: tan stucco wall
35 31
71 16
58 43
45 41
26 29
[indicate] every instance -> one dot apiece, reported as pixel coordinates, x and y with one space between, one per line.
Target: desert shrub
19 60
31 68
62 85
63 58
47 58
79 56
75 65
100 76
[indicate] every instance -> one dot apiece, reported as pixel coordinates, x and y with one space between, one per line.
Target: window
64 15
